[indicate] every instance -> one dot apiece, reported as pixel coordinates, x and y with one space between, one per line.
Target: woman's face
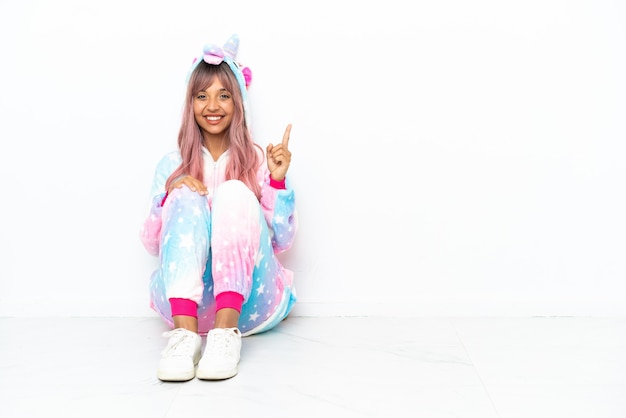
213 109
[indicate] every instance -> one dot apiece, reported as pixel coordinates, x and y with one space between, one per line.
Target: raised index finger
286 135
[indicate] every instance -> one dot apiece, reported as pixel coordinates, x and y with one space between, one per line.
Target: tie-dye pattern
226 241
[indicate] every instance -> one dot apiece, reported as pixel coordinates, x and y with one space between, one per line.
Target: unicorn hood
215 55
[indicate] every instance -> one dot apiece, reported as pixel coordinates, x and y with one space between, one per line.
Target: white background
449 157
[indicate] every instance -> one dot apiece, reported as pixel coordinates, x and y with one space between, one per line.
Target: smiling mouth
213 118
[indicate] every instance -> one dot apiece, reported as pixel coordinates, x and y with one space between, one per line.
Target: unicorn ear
231 46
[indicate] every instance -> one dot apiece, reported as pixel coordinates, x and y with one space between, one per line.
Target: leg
227 318
187 322
234 244
184 254
177 286
234 240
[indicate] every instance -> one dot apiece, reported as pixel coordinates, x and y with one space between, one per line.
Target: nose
211 103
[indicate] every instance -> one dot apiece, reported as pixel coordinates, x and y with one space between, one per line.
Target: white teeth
213 117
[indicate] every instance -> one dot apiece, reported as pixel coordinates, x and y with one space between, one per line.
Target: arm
280 214
277 197
150 232
279 208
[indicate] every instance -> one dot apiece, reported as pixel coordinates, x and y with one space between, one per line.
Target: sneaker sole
216 375
175 376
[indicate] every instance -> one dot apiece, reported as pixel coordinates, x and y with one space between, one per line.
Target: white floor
324 367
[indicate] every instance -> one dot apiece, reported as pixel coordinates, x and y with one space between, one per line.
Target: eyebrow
222 89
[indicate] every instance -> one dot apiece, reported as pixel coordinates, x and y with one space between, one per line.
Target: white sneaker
179 358
221 354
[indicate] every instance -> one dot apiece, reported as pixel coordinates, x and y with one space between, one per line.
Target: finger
199 187
286 135
280 152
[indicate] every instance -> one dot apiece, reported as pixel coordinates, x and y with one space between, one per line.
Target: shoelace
182 345
219 342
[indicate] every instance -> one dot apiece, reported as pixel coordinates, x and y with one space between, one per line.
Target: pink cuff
185 307
277 184
231 300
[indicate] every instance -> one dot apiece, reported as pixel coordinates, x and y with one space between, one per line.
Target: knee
233 190
182 198
184 194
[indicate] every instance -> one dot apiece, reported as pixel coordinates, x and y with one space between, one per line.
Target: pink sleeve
280 185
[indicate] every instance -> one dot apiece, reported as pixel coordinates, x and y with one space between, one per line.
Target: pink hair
244 157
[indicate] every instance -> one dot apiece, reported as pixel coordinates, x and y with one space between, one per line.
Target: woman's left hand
279 157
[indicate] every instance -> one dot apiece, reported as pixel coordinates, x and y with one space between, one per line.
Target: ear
231 46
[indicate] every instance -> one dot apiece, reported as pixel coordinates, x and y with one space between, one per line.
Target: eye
201 96
225 96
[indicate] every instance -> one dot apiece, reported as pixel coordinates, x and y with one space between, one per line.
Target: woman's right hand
194 185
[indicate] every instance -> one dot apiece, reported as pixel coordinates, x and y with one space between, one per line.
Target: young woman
221 209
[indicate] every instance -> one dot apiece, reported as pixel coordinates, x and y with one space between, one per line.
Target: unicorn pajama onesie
226 241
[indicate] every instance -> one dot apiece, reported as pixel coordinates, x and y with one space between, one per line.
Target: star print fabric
224 242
